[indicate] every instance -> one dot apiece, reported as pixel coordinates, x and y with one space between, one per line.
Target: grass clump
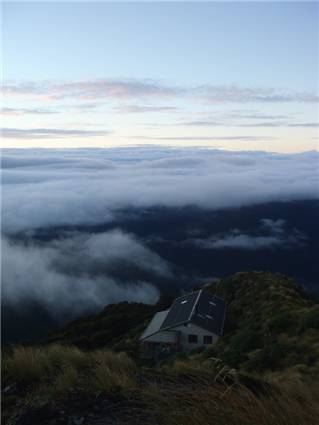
112 372
26 365
61 368
66 381
184 367
114 361
61 355
106 380
212 404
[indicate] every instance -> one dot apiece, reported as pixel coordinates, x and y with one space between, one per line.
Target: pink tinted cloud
151 89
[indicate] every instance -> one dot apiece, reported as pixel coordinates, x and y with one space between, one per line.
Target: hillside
271 325
115 324
266 366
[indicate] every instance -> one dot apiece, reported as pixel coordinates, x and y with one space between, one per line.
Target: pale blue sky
249 43
180 46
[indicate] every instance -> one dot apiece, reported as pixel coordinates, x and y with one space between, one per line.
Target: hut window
192 339
208 339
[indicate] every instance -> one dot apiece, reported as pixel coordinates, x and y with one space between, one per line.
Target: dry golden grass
60 355
62 365
184 393
184 367
211 404
210 368
26 365
112 371
66 381
106 380
29 365
114 361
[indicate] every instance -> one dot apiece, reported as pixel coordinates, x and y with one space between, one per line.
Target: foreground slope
266 366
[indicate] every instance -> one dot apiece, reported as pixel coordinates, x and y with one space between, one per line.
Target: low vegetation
213 404
272 326
61 380
98 330
63 368
264 370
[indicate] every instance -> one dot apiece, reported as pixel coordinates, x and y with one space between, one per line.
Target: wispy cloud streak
153 89
25 111
205 138
48 133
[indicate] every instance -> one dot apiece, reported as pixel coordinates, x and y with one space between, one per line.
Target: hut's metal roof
209 313
155 324
181 310
201 308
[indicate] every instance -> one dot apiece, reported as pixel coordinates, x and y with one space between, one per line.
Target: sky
211 105
234 76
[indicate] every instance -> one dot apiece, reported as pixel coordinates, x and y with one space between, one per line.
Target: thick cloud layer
70 272
89 186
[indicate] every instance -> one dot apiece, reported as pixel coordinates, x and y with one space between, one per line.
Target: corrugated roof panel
155 324
180 310
210 313
201 308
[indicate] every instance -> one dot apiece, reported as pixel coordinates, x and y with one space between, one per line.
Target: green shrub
311 319
233 357
270 357
246 340
283 322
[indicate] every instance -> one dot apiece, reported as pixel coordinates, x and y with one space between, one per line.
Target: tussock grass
29 365
26 365
185 392
61 355
112 372
66 381
212 404
106 380
63 367
211 368
114 361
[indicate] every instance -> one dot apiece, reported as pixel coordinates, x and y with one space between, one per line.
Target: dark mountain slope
112 325
271 325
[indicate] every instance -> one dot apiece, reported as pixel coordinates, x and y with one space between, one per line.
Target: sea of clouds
66 187
46 188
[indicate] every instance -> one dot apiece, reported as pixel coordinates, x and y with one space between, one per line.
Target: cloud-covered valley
70 187
84 228
75 273
268 235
